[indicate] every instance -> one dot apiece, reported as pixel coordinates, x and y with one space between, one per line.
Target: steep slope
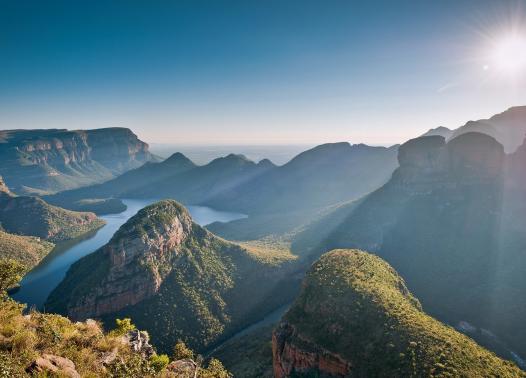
452 224
322 176
27 250
146 176
508 127
285 198
172 277
41 161
355 317
32 216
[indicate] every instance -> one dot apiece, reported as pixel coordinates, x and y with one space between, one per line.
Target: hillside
27 250
43 161
174 278
356 317
450 221
32 216
102 198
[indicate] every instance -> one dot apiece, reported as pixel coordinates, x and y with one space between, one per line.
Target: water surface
39 282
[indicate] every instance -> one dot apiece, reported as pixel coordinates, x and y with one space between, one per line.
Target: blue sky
256 72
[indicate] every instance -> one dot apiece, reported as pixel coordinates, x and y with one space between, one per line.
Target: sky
260 72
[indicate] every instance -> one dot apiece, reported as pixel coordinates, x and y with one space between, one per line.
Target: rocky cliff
355 317
451 217
172 277
41 161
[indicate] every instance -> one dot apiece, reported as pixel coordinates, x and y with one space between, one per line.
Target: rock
183 368
139 341
3 187
49 363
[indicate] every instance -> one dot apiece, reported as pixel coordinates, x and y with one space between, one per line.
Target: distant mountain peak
177 158
266 163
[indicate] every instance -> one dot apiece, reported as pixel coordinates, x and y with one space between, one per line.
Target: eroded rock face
294 355
57 159
139 258
3 187
51 364
139 342
429 163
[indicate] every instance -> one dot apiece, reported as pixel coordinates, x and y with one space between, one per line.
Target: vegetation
355 305
24 338
249 355
34 217
27 250
210 288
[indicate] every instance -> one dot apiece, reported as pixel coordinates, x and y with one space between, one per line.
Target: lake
39 282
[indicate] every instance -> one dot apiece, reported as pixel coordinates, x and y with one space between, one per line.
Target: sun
509 55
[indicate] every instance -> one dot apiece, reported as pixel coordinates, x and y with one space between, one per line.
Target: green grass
27 250
355 305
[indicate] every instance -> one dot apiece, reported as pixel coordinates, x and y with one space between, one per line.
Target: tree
182 352
11 273
123 326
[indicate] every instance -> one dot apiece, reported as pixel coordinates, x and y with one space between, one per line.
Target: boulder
49 363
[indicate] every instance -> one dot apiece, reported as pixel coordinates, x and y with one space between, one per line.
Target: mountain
99 197
356 317
27 250
43 161
508 128
32 216
173 278
327 174
439 131
451 222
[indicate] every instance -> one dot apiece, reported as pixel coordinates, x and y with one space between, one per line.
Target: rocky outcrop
139 342
429 163
175 279
139 258
54 365
3 187
355 317
303 357
52 160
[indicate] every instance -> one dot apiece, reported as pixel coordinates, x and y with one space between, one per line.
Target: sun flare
509 55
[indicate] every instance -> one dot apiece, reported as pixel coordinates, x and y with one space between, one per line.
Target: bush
159 361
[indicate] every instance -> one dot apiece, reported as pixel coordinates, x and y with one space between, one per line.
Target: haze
294 72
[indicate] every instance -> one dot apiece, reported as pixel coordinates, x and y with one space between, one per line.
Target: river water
39 282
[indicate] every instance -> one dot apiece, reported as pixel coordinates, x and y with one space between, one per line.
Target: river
36 285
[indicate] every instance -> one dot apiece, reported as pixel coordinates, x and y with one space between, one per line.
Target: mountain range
451 222
43 161
508 128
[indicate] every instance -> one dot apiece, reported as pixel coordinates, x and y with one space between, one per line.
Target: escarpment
44 161
173 278
355 317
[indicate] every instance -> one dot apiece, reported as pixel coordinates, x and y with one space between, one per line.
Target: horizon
251 74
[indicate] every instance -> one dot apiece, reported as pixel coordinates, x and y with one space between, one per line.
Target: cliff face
52 160
172 277
355 317
140 257
451 221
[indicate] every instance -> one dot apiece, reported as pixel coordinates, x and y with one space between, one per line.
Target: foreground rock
356 317
50 364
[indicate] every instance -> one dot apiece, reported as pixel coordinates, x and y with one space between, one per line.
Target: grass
27 250
354 304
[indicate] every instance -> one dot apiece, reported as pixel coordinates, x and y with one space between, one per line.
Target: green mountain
27 250
451 222
32 216
43 161
102 198
355 317
174 279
